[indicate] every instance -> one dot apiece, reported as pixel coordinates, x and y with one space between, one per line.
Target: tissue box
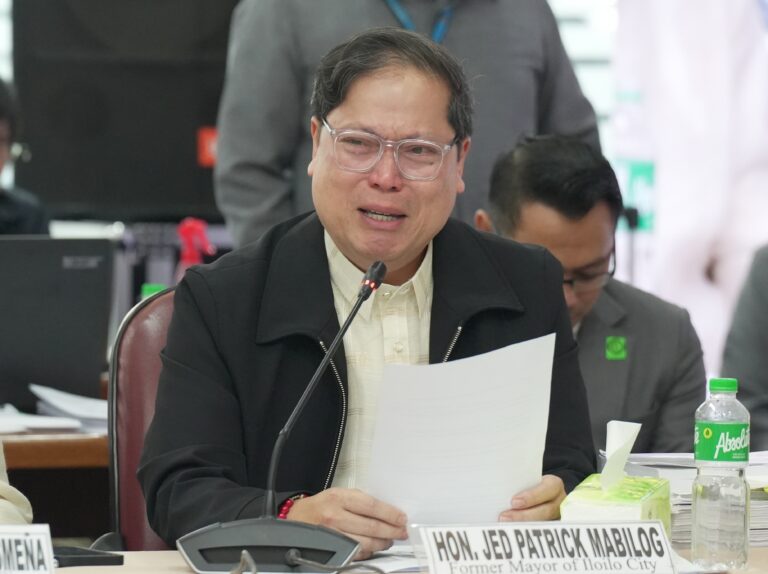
634 498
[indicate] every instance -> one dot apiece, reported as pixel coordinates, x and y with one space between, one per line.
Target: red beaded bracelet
285 507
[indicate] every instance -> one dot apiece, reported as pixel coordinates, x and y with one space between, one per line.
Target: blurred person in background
746 349
692 112
640 356
20 212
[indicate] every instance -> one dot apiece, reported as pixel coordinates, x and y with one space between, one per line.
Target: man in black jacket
391 128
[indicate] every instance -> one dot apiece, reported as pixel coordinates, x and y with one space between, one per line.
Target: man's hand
373 523
542 502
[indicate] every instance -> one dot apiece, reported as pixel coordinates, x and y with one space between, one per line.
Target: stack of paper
12 422
680 470
91 413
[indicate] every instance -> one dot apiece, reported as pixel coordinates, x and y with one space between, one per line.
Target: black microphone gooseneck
371 281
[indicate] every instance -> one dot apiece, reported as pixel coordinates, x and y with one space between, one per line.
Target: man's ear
462 156
314 130
483 221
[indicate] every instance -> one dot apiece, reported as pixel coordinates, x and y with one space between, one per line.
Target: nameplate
25 548
544 547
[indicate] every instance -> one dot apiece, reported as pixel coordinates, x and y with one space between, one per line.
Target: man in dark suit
391 131
640 356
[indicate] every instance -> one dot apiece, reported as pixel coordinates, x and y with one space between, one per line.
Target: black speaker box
114 96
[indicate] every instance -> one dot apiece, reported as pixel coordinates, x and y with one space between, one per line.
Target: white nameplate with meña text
25 548
545 547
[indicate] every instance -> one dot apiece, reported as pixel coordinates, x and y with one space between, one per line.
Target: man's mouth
378 216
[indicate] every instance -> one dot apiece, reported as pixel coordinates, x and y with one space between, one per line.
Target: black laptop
55 302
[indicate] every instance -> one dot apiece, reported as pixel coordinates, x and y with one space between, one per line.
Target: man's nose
570 295
385 174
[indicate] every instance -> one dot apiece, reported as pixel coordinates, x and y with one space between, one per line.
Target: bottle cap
723 385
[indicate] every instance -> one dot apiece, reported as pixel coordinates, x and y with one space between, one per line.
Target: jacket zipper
453 344
335 458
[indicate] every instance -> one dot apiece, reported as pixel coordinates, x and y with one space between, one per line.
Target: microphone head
372 279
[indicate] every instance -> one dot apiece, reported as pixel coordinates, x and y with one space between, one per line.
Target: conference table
55 450
171 561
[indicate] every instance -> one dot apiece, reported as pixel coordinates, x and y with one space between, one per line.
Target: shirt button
398 347
387 293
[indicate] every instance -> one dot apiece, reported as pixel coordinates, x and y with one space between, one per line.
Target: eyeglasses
586 282
359 151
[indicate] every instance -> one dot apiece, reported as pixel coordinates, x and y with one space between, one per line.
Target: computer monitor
55 302
119 101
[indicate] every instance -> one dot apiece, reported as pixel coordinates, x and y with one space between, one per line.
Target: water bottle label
721 442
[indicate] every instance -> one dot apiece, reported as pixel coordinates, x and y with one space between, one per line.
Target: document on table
455 441
12 421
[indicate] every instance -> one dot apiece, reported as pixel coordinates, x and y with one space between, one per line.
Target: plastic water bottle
720 521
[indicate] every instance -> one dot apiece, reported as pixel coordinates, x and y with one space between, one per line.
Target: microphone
371 281
267 539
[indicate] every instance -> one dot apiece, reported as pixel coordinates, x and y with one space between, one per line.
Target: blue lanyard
764 7
442 19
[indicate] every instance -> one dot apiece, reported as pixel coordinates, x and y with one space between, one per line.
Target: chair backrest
133 376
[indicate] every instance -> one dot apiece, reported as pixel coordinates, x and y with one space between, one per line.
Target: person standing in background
20 212
694 109
14 506
521 76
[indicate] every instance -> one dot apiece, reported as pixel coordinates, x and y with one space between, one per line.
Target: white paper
73 405
91 413
13 421
620 439
685 459
455 441
399 558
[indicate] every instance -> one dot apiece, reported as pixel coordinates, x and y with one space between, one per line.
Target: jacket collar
466 282
607 310
298 298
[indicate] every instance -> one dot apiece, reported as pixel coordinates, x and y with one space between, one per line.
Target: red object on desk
194 244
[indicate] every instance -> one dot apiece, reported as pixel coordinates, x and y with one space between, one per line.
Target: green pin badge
616 348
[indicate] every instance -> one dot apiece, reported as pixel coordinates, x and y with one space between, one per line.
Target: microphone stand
267 539
269 497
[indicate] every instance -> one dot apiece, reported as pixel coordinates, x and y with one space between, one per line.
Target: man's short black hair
380 48
8 111
560 172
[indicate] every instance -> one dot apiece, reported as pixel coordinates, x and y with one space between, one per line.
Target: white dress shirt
391 327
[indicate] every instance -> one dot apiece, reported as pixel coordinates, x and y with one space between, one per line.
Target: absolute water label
721 442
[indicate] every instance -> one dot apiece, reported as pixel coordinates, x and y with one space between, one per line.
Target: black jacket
249 330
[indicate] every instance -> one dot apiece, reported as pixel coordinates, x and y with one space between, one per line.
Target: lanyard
442 19
764 7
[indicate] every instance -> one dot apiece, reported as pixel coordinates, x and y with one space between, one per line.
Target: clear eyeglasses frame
359 151
584 283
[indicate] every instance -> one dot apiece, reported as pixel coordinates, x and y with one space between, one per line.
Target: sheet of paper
454 441
399 558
